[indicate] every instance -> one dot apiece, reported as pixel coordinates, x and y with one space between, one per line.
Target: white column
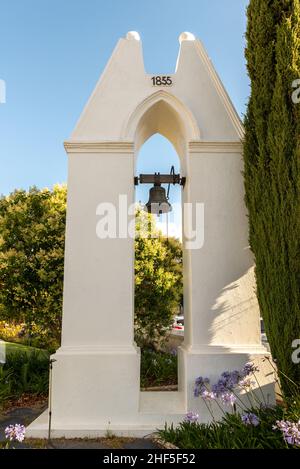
98 362
222 321
224 309
98 285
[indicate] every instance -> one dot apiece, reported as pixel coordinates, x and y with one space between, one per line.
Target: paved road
25 415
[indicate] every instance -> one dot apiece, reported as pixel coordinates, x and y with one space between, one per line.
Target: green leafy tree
32 232
158 281
271 154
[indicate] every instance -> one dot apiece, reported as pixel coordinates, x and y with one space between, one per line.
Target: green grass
11 348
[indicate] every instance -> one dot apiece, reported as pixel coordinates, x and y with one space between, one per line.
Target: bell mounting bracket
158 179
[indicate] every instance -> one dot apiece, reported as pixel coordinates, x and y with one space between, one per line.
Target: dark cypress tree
272 157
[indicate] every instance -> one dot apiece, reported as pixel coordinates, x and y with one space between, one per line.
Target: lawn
11 347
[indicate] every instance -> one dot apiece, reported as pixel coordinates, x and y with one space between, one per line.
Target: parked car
178 323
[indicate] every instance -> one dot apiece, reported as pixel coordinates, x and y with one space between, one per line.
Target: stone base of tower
96 392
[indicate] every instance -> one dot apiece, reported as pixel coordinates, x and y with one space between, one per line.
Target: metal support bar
52 360
160 179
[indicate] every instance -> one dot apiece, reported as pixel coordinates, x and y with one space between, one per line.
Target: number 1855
161 81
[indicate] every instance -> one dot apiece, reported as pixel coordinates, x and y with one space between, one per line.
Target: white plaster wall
124 85
199 88
98 300
224 308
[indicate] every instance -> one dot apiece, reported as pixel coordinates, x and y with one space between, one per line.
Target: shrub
5 386
24 372
10 331
158 368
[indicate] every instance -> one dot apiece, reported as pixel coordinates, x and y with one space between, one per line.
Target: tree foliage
32 232
271 154
158 281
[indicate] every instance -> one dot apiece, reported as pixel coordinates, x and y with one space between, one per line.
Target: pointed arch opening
159 311
162 118
162 113
161 132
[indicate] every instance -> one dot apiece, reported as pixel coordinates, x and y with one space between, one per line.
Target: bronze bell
158 202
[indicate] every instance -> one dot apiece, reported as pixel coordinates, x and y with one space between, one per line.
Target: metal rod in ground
50 397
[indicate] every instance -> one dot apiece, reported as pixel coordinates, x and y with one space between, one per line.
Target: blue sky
52 53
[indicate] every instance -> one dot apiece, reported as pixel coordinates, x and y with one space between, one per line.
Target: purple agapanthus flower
290 431
191 417
251 419
248 369
15 432
200 386
227 382
228 398
246 383
224 388
208 395
219 388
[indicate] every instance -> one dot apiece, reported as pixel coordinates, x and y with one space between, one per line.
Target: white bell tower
96 375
